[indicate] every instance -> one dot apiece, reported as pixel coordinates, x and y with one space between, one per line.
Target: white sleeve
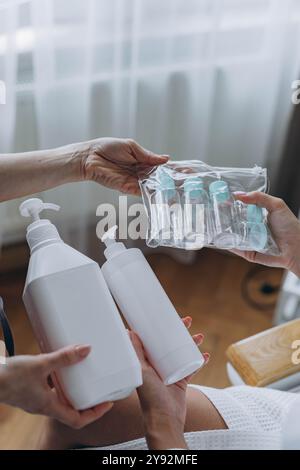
291 428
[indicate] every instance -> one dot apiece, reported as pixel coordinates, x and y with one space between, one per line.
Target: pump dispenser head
113 247
40 231
33 207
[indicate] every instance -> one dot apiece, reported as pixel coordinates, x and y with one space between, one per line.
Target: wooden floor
209 290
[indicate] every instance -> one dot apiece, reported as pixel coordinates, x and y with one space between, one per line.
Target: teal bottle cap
220 190
193 186
254 213
166 182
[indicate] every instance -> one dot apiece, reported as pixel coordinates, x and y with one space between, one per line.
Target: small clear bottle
197 223
257 234
226 231
167 217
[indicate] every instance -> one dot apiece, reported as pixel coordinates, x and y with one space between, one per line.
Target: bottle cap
40 230
193 185
166 183
220 190
109 238
113 247
33 207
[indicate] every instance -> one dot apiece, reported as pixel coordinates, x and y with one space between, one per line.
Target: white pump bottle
149 311
68 303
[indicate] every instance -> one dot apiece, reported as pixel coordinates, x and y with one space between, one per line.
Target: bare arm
111 162
32 172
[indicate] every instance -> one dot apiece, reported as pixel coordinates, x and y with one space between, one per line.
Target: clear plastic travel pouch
190 205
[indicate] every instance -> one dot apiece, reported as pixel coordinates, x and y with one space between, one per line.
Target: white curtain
208 79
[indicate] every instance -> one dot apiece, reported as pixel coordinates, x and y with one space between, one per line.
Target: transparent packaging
191 204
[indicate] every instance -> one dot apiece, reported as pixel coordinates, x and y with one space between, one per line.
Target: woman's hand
115 163
164 407
285 228
24 383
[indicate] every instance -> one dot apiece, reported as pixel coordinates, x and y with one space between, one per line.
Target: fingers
187 379
73 418
206 356
64 357
262 200
198 338
259 258
248 255
93 414
145 156
187 321
131 186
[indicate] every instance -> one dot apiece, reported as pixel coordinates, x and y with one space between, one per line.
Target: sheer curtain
208 79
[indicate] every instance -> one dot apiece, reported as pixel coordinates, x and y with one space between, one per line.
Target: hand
115 163
163 407
24 383
285 228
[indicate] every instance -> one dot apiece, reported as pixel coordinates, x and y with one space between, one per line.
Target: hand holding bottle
163 406
24 383
285 228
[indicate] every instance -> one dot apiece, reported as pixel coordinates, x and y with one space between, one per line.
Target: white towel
257 419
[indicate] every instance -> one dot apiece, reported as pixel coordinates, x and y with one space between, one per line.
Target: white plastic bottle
149 311
69 303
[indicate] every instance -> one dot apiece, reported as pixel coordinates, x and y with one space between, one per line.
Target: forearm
163 433
28 173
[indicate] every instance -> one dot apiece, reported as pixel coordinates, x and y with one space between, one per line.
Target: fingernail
206 357
163 157
83 350
239 193
199 336
198 339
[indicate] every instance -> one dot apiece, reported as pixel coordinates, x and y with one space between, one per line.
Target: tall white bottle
69 303
149 311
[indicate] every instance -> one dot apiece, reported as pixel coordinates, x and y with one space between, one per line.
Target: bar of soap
268 356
